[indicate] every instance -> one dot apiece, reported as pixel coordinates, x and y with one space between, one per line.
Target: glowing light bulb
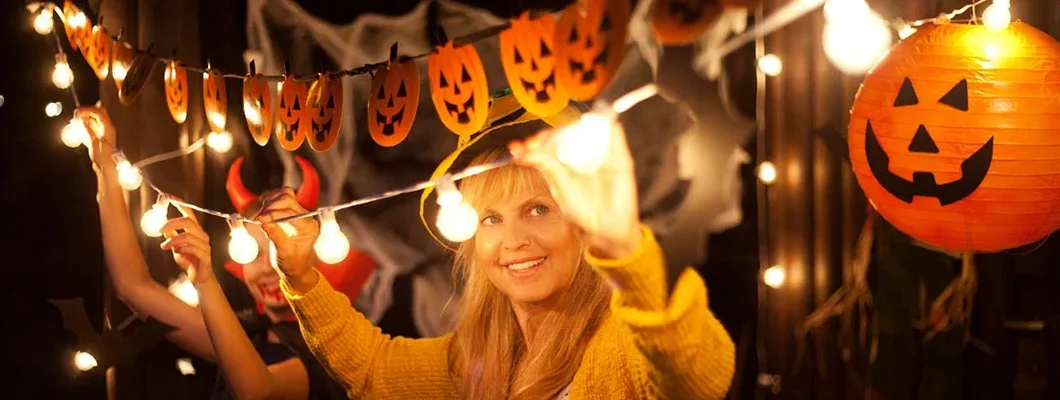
854 37
241 247
84 361
155 218
53 109
767 172
773 276
74 134
128 175
457 220
185 291
44 22
997 16
331 246
62 75
906 31
770 65
220 142
185 366
585 145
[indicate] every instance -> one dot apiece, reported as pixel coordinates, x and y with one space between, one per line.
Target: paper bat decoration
116 345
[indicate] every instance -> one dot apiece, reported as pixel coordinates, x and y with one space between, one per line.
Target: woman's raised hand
293 239
101 135
602 203
190 246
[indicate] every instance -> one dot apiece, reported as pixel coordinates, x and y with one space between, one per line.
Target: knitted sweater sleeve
368 363
680 349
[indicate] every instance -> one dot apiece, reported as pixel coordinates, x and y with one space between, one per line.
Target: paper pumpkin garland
291 125
678 22
136 73
527 54
176 82
590 45
953 136
77 30
214 99
393 101
96 49
324 111
257 106
459 88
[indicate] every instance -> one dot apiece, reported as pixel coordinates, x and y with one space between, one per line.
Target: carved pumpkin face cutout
97 51
76 25
257 108
291 126
214 100
956 152
529 64
590 45
324 114
678 22
458 88
392 103
176 80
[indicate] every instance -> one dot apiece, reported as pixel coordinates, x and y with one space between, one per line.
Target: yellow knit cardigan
645 349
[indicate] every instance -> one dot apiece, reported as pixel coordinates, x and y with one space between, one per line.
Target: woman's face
259 276
528 249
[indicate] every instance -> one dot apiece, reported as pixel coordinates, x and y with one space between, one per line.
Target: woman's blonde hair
489 351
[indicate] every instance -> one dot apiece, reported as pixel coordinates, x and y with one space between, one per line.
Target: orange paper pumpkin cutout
459 88
176 80
529 63
121 56
392 103
677 22
590 45
214 99
96 49
953 136
76 25
290 125
324 112
257 107
136 73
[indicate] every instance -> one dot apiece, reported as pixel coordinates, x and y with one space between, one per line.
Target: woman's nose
515 237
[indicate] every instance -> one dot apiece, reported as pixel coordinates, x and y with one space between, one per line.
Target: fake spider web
683 198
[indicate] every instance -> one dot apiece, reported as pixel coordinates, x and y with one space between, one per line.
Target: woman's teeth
525 265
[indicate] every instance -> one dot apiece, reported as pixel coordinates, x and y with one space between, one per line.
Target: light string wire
944 16
620 105
364 69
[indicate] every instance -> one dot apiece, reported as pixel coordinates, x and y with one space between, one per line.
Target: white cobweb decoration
390 231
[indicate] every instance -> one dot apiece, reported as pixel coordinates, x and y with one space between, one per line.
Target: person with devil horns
262 357
563 292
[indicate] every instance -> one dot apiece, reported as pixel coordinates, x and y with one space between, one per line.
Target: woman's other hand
602 203
190 246
293 239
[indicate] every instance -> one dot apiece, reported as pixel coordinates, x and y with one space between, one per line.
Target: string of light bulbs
43 24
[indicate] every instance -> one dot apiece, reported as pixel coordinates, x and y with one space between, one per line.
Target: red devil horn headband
241 197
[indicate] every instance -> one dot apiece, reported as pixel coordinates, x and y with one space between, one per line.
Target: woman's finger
185 239
186 224
185 211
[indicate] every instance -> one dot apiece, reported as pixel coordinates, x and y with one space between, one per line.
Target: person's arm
246 373
125 263
368 363
680 349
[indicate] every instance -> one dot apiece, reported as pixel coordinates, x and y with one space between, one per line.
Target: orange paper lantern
954 136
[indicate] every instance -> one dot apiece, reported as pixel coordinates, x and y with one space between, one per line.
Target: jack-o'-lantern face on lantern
459 88
214 100
176 80
590 45
955 151
257 108
291 125
97 51
393 102
679 22
324 112
529 64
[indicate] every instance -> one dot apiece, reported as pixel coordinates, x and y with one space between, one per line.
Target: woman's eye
538 210
490 220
